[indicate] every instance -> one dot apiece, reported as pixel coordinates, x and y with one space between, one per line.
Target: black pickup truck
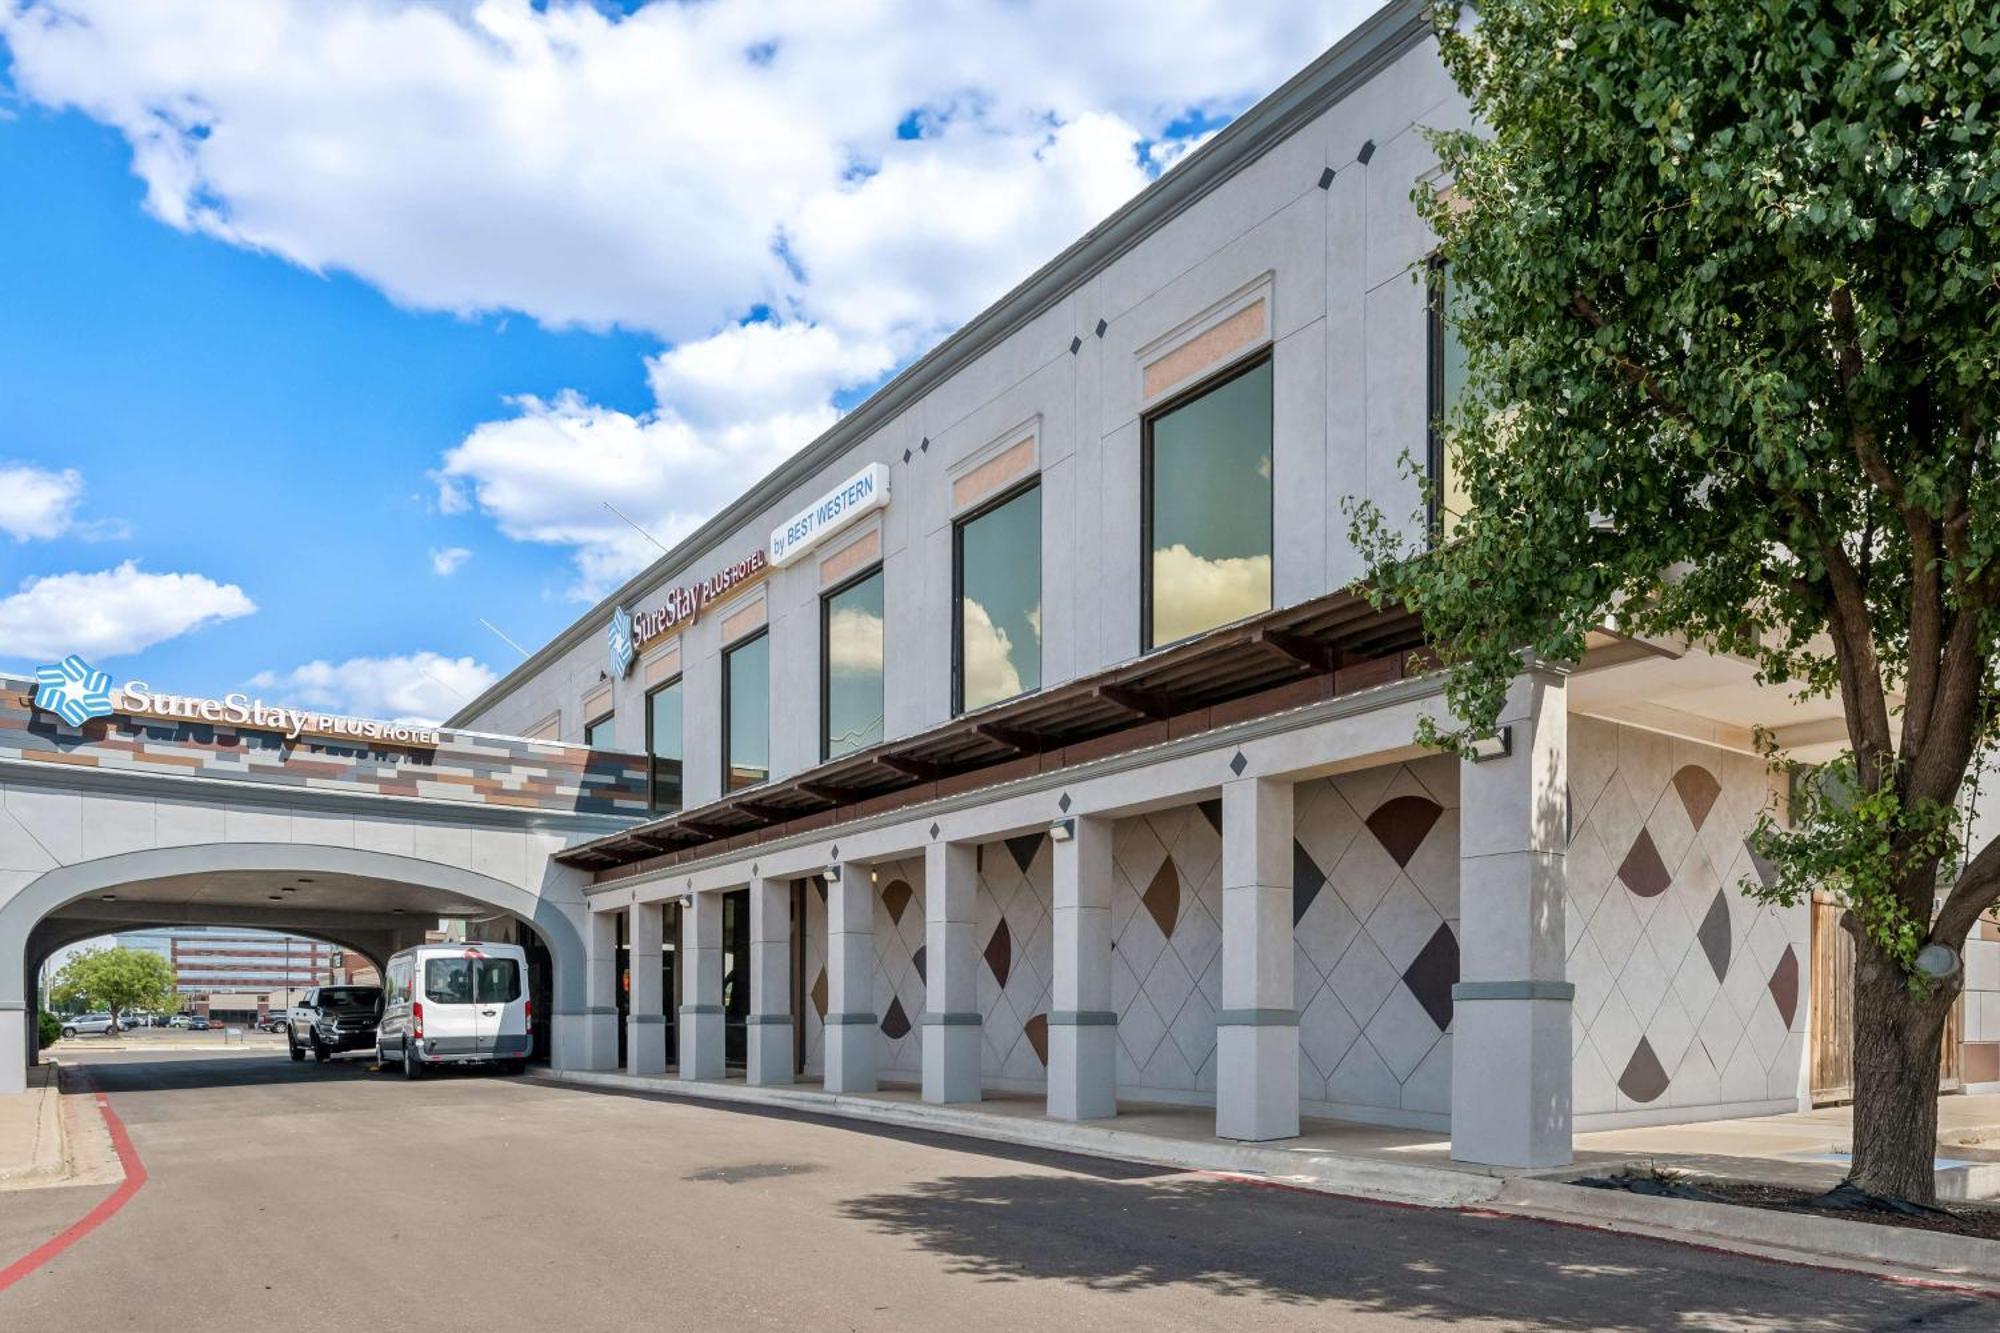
332 1019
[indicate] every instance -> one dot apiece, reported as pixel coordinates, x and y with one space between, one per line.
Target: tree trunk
1896 1061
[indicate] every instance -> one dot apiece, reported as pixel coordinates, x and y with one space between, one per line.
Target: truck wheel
320 1052
412 1067
292 1046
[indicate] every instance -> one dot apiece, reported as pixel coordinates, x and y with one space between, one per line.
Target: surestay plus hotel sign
1077 769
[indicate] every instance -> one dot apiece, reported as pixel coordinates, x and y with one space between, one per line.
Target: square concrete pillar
770 1022
851 1021
701 987
1083 1027
15 1017
951 961
646 1010
599 1019
1257 1031
1510 1045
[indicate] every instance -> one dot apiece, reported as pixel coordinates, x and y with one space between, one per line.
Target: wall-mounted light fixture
1494 745
833 873
1062 830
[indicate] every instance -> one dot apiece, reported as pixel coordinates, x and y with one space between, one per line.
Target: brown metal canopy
1281 659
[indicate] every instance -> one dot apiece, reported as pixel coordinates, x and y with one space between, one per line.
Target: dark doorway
736 977
541 993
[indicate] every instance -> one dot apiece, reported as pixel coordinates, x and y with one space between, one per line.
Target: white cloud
854 642
36 503
990 672
1198 593
445 560
418 687
111 612
674 171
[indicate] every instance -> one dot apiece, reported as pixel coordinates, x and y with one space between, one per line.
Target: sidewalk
1415 1167
31 1133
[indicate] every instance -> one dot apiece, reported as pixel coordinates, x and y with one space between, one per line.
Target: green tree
47 1028
116 980
1728 281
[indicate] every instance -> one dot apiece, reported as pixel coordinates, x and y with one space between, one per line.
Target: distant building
229 974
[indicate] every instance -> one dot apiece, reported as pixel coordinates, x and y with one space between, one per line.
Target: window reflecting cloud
1193 593
990 672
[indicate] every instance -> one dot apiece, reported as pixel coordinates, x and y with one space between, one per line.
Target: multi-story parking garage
1023 734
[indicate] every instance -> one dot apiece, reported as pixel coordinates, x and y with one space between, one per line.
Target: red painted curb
135 1178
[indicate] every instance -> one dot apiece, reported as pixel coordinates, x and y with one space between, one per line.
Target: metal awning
1280 659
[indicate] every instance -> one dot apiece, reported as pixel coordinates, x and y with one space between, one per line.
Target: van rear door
451 1024
498 987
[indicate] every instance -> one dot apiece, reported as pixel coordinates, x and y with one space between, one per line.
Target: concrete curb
48 1157
1328 1173
1820 1242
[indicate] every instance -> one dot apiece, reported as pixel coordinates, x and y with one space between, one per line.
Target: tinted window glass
349 998
851 667
1209 467
448 980
1000 601
746 669
663 742
496 980
603 733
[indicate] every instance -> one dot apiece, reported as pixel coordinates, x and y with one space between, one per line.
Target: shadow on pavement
1227 1238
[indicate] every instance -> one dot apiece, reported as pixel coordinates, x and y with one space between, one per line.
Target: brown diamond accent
1643 871
896 895
1023 849
1000 952
1713 934
917 961
1212 812
1036 1030
1785 986
1698 789
895 1023
1402 824
1162 898
1307 880
1431 974
1643 1080
819 995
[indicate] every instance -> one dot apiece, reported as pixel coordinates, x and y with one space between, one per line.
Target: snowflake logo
73 690
618 640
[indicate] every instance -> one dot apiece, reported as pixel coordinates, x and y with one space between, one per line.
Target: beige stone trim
1207 349
597 703
851 559
664 665
994 475
548 729
744 620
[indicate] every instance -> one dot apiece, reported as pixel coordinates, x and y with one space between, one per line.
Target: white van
462 1003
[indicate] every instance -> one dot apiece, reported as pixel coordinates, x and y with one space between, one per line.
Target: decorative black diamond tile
1212 812
819 883
1432 973
1402 823
1642 870
1643 1080
1785 986
1366 151
833 854
1075 345
924 445
934 829
999 953
895 1023
1713 933
906 455
1063 803
1307 880
1238 763
1023 849
917 961
1326 179
1101 327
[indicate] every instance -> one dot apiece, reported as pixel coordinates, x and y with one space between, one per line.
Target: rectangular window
1447 503
997 627
1208 486
746 713
663 743
850 666
601 733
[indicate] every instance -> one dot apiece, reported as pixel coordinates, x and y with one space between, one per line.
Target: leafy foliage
48 1028
1728 279
117 980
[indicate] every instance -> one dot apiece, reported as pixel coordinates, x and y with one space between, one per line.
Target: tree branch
1977 889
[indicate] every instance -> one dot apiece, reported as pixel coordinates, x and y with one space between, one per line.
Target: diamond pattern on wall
1698 789
1432 973
1212 812
999 953
819 995
896 896
1023 849
1643 1080
1162 899
1643 871
1785 986
1036 1030
1307 880
895 1023
1401 825
917 962
1713 934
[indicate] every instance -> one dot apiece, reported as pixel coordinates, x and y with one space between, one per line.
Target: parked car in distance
179 1021
91 1024
276 1021
196 1023
332 1019
456 1004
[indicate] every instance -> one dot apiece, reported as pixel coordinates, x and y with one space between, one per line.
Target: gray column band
1513 990
590 1011
700 1009
850 1020
11 1005
769 1020
647 1018
1082 1018
1257 1018
950 1020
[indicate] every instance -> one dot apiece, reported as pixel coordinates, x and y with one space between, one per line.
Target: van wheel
292 1046
513 1066
412 1067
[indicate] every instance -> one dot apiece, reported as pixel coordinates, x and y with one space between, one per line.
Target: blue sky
297 314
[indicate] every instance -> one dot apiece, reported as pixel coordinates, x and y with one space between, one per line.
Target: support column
701 988
850 979
1083 1027
599 1019
1510 1046
15 1042
770 1021
646 1012
951 957
1257 1032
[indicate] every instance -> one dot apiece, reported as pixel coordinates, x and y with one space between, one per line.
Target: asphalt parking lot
283 1196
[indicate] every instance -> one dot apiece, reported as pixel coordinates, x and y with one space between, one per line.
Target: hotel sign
682 606
842 507
240 710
